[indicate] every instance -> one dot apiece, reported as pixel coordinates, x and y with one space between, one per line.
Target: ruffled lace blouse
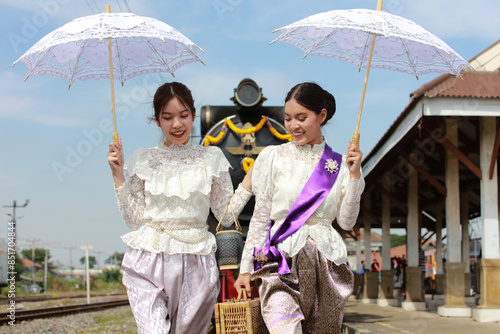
168 193
279 174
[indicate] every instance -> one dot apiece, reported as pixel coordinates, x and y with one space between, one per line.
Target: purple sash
310 198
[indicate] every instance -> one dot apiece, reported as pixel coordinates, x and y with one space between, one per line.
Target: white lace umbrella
372 38
110 45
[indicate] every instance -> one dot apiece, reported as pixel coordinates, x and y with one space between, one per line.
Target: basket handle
236 222
243 292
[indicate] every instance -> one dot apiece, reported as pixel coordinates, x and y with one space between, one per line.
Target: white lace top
166 199
279 174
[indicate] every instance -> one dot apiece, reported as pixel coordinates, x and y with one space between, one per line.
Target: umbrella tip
123 83
26 78
69 86
173 74
416 76
275 30
304 57
203 62
13 64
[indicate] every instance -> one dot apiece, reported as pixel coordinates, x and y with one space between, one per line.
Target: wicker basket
229 244
237 316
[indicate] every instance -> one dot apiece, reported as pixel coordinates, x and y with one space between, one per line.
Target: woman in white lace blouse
292 252
169 269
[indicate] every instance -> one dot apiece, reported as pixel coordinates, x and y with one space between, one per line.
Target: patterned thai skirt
308 300
171 293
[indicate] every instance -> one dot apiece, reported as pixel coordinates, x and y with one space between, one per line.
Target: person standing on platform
375 266
300 187
421 264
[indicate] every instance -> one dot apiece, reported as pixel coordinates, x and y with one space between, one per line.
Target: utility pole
86 248
13 215
33 256
98 259
33 244
45 273
70 260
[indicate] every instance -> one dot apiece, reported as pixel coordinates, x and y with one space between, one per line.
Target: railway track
43 298
22 315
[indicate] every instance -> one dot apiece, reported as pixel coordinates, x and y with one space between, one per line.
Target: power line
119 6
128 7
90 6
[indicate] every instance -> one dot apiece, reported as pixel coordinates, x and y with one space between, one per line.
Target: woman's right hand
243 281
116 162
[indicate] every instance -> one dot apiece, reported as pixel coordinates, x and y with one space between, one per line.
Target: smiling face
303 124
176 122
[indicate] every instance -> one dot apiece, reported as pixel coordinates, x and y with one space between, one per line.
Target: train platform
371 318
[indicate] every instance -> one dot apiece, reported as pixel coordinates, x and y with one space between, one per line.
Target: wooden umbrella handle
116 139
355 136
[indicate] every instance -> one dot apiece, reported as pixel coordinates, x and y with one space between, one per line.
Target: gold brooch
261 258
332 166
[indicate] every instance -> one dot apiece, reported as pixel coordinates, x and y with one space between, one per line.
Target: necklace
178 156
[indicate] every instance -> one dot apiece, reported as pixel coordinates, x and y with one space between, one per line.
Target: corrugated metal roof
480 84
471 85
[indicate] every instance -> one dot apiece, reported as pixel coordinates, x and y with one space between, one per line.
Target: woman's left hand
353 159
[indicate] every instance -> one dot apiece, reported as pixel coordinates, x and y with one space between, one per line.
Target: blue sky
44 125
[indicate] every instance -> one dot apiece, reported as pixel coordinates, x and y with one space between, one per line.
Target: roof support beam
354 236
494 155
438 185
427 239
461 157
393 199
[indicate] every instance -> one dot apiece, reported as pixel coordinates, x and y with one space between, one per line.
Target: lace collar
176 147
307 153
316 148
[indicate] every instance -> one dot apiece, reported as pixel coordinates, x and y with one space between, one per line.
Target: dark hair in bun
311 96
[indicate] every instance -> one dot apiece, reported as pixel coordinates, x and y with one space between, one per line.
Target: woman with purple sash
292 252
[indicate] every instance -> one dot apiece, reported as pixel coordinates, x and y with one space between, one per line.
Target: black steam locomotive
242 131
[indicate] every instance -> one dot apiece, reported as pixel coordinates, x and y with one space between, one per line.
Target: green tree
115 258
39 256
112 275
92 261
397 240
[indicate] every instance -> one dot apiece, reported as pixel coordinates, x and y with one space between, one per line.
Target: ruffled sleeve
262 187
350 195
164 176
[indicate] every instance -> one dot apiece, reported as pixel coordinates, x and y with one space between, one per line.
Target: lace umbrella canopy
372 38
110 45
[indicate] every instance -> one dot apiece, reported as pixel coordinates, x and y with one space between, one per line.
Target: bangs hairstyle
168 91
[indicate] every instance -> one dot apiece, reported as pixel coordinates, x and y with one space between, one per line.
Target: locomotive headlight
248 94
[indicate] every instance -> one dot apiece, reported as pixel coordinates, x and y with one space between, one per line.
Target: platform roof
418 136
